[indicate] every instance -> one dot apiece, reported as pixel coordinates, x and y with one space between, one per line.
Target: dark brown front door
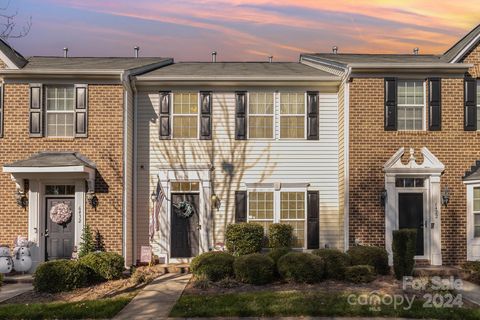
184 239
59 239
410 207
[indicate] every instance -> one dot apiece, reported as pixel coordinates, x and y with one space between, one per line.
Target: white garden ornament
61 213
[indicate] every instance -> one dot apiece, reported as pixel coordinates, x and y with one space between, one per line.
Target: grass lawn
301 303
93 309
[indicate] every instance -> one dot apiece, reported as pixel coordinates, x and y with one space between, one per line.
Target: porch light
92 199
383 197
445 196
216 202
153 197
21 198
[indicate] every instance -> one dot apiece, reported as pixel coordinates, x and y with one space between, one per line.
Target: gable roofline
456 52
12 58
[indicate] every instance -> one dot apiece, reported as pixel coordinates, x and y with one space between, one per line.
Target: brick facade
104 146
371 146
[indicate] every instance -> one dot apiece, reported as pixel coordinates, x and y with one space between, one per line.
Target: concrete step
176 268
439 271
18 278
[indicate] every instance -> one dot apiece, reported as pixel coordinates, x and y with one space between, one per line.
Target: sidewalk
8 291
470 292
157 299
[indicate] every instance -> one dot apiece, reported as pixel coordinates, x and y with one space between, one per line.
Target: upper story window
292 115
411 105
261 115
185 115
60 111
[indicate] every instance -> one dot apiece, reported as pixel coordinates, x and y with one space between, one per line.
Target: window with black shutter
470 102
205 115
313 220
434 104
81 107
390 104
313 105
164 115
240 206
240 115
36 111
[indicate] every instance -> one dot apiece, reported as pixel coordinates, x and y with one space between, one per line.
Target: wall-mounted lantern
383 197
21 199
92 199
445 196
216 202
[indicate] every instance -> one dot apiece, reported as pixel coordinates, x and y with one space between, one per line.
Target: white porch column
391 221
435 219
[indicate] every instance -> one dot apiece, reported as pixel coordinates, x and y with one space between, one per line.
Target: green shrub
301 267
201 282
280 235
60 275
473 266
244 238
87 245
104 265
336 262
404 247
254 268
1 279
360 274
214 265
228 283
277 253
376 257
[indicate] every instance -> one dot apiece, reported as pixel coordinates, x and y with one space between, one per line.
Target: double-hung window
185 115
289 207
411 105
261 115
60 111
292 115
476 212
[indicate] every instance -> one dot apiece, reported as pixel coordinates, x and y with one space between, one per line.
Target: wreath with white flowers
61 213
185 209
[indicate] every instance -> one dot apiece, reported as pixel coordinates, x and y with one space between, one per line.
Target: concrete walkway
10 290
157 299
470 292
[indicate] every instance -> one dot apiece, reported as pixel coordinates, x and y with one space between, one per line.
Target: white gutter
409 66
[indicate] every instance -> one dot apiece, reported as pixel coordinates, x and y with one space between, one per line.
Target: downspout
135 182
346 155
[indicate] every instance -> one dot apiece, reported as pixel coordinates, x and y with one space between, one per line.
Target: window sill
412 132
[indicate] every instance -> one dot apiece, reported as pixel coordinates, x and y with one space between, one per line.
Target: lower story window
291 210
476 212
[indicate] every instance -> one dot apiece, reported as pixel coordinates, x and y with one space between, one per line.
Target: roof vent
214 56
136 50
334 49
415 51
65 52
270 59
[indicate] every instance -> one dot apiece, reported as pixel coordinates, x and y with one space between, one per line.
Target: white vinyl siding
411 105
238 163
60 108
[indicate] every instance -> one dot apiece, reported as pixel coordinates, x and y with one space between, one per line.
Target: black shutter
81 108
1 111
36 111
240 116
240 206
390 104
313 215
470 100
164 115
434 104
205 116
313 105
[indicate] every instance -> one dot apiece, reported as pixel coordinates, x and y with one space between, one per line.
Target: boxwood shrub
404 247
336 262
376 257
280 235
360 274
104 265
301 267
244 238
214 265
60 275
255 268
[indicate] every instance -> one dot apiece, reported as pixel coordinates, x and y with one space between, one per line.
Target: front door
59 238
185 231
410 216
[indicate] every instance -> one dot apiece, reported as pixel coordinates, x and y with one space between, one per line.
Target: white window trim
472 241
424 109
272 115
47 112
277 208
172 97
280 115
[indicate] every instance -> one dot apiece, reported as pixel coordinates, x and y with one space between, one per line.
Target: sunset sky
246 30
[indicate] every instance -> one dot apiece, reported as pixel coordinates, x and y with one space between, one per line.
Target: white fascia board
68 169
7 61
409 66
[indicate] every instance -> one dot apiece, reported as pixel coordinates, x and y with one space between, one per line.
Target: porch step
439 271
176 268
19 278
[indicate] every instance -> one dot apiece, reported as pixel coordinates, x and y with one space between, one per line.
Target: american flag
154 224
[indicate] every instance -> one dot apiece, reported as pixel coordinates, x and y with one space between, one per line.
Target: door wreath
61 213
185 209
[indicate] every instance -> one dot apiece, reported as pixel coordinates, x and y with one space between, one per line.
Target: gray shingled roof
54 159
460 45
89 63
473 173
12 54
235 70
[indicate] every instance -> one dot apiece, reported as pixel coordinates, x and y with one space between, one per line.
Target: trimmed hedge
404 247
60 275
254 268
336 262
376 257
244 238
473 266
280 235
301 267
276 253
214 265
360 274
104 265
